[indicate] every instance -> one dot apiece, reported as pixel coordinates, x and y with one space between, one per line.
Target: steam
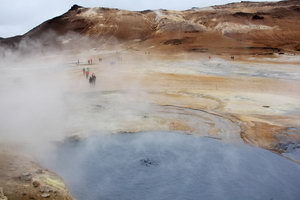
159 15
31 104
45 98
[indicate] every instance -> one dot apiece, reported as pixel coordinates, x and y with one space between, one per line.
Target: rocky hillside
236 28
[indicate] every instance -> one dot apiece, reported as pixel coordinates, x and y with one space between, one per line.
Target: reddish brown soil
239 28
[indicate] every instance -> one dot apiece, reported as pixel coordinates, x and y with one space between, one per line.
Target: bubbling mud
168 165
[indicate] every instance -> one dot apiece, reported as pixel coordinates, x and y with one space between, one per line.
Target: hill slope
237 28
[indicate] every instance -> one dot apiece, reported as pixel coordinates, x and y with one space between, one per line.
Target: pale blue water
168 166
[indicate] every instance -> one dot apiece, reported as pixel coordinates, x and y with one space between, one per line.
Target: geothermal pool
169 165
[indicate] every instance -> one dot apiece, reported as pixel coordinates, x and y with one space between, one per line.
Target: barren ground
251 99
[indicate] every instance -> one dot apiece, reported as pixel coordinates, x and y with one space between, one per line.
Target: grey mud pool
169 165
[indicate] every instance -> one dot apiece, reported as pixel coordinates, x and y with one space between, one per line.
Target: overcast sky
19 16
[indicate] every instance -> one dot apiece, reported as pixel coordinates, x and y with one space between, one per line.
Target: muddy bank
22 178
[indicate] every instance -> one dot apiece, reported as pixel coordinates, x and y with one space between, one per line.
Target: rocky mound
237 28
20 178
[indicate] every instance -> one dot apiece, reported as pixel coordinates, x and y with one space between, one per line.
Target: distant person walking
92 80
87 73
83 71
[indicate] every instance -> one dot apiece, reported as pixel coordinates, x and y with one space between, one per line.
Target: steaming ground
165 165
254 101
217 97
137 91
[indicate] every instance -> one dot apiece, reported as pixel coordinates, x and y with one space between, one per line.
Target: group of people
90 61
92 78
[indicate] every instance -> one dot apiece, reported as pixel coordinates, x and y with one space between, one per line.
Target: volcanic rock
221 29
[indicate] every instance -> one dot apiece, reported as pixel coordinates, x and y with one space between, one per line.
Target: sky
19 16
